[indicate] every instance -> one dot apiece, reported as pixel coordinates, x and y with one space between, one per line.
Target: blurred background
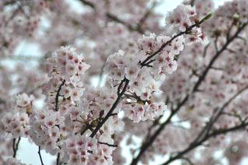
27 152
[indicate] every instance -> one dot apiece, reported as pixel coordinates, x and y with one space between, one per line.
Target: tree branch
147 144
215 133
205 131
125 81
41 161
57 96
147 60
58 159
204 74
150 141
15 146
110 145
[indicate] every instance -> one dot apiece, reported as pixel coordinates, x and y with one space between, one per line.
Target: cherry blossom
88 80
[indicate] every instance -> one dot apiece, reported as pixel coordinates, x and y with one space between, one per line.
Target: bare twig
204 74
110 145
57 96
15 146
149 58
120 93
148 143
205 131
205 49
215 133
41 161
58 159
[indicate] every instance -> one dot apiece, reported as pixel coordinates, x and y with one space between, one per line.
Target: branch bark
41 160
125 81
15 146
57 96
215 133
150 58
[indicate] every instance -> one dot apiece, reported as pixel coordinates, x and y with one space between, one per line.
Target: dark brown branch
147 60
204 74
58 159
205 135
233 115
12 16
192 2
243 39
216 44
205 131
88 126
125 81
2 101
150 141
57 96
215 133
188 160
154 124
15 146
110 145
90 4
218 113
41 161
231 51
205 49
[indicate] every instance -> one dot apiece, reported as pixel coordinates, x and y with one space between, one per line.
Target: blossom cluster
181 18
143 74
71 113
67 67
16 122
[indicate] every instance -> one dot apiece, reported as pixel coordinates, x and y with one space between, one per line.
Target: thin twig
147 60
204 74
110 145
147 144
125 81
216 116
57 96
58 159
41 161
205 49
15 146
215 133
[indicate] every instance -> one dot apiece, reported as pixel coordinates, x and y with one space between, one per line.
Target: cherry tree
177 90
